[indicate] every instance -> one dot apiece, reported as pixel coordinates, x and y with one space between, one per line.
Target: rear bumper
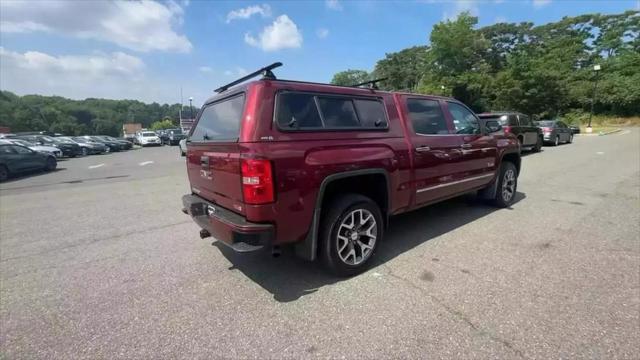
226 226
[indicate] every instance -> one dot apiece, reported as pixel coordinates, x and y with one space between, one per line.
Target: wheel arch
308 248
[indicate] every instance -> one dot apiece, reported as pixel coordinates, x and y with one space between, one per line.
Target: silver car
39 148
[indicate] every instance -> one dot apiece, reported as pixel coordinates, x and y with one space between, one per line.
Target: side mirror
493 126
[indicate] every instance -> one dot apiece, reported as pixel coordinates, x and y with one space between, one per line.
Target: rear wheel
51 164
538 145
570 139
556 141
4 173
85 152
507 185
108 150
350 233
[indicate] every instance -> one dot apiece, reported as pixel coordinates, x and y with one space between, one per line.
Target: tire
556 141
182 153
538 146
4 173
570 139
108 150
85 152
51 164
507 185
358 247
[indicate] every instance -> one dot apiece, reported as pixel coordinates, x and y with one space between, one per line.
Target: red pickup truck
322 167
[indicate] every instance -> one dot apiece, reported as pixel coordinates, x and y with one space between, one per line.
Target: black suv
172 136
528 134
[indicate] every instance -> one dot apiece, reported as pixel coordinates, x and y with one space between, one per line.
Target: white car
145 138
183 147
39 148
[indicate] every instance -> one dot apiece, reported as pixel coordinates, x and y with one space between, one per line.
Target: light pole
191 108
596 69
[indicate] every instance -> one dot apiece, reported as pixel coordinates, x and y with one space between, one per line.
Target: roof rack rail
265 72
373 84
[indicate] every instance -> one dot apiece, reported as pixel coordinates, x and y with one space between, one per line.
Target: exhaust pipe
275 251
204 234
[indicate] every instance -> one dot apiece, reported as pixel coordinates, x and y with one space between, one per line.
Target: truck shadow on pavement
289 278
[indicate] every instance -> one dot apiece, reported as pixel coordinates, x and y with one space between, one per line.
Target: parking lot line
144 163
96 166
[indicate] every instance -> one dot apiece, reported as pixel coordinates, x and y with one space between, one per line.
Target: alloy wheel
356 237
508 185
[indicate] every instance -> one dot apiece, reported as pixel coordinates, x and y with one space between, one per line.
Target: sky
150 50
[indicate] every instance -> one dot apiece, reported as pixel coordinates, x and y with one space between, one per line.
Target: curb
600 133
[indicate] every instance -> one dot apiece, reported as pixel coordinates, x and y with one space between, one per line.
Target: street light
442 88
190 108
596 69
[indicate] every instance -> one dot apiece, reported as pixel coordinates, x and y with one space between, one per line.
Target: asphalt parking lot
97 261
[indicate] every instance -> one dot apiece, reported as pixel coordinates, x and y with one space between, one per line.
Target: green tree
350 77
162 124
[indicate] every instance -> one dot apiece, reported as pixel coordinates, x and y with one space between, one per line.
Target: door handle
466 146
204 161
423 149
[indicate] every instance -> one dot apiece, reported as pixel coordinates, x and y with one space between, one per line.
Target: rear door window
371 113
220 120
524 120
427 117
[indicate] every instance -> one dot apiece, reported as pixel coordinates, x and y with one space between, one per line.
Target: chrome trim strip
455 182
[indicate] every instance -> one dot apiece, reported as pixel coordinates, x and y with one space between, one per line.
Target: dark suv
322 167
520 125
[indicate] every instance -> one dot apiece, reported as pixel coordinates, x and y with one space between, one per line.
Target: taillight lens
257 181
546 129
506 129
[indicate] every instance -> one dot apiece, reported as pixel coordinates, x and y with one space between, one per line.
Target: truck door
479 149
435 151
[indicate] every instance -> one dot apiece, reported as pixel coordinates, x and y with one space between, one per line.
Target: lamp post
191 108
596 69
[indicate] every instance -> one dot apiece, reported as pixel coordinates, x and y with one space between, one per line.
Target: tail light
506 129
546 129
257 181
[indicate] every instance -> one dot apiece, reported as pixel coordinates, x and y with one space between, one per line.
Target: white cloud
333 5
500 19
541 3
460 6
205 69
143 25
245 13
322 33
237 71
282 34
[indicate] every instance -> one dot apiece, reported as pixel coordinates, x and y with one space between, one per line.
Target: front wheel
556 141
85 152
4 173
51 164
507 185
570 139
350 233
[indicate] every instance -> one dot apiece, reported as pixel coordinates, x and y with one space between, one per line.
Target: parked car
88 147
41 148
146 138
173 136
575 129
519 125
555 132
124 144
15 159
112 146
183 147
322 167
162 134
68 148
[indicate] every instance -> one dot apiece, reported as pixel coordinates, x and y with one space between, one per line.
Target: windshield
501 119
148 134
546 123
23 142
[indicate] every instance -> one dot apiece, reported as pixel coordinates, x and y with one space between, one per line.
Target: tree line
545 70
84 117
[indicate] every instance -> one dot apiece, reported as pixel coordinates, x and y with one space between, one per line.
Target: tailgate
213 153
214 174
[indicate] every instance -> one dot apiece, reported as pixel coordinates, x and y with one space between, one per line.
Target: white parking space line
600 153
144 163
96 166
